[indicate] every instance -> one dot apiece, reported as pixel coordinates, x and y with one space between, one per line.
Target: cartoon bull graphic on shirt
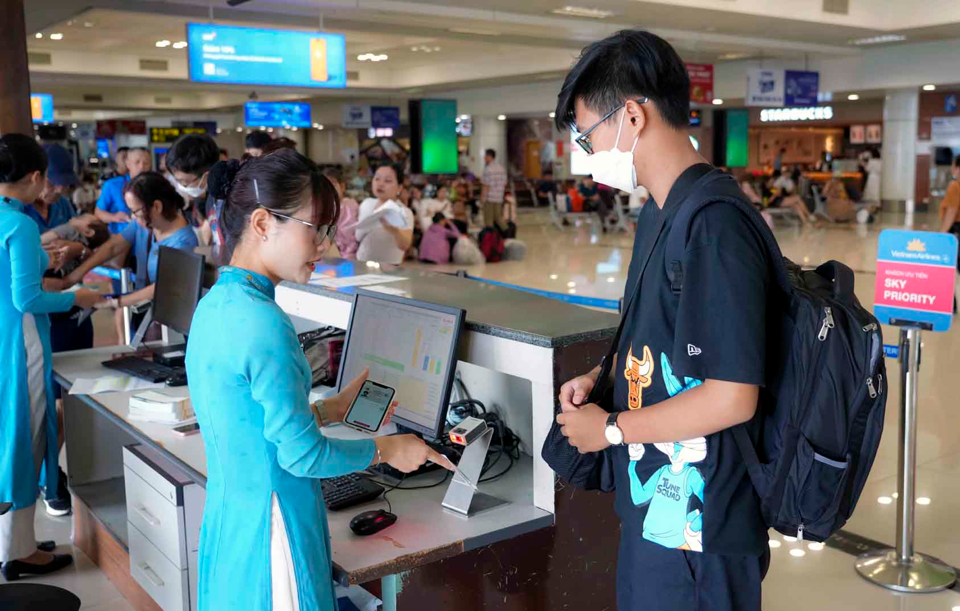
640 375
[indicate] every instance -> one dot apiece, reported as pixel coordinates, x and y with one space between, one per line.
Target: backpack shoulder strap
722 189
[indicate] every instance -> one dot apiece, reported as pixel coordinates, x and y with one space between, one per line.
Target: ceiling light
552 114
611 279
219 130
56 36
733 56
929 87
501 117
39 35
473 31
853 97
923 500
436 48
774 544
163 43
180 45
414 49
239 129
87 24
582 11
319 127
554 276
294 128
885 500
73 126
60 124
572 291
876 40
457 120
717 102
797 552
571 285
464 117
269 130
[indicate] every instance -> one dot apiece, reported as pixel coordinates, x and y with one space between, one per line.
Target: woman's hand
56 258
336 407
407 453
87 299
390 228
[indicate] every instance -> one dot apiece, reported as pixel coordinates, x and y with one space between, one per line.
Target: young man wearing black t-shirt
690 365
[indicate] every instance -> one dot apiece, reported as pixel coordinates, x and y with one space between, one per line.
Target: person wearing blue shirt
28 417
157 210
264 542
111 207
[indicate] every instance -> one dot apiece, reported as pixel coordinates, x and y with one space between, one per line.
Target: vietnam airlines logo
916 245
639 373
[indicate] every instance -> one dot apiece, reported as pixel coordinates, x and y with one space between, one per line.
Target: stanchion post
125 286
902 569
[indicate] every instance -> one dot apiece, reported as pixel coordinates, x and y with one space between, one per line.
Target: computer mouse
176 380
372 522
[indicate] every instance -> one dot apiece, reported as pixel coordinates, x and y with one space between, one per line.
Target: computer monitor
179 283
408 345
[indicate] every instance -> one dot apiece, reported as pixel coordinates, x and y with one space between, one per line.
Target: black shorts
650 577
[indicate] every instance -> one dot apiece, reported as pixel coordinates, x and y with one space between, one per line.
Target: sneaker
58 507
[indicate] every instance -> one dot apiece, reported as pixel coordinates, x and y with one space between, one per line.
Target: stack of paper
153 406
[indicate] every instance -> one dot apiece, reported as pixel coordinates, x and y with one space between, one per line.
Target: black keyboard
144 369
349 490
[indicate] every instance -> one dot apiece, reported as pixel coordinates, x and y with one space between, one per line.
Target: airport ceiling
481 41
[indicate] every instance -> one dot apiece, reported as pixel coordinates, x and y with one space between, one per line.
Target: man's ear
636 117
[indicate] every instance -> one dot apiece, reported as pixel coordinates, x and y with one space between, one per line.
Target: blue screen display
41 107
103 148
277 114
255 56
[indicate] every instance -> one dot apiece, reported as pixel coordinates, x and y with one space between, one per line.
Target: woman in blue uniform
28 417
264 542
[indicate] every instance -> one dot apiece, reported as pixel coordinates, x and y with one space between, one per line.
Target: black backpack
825 399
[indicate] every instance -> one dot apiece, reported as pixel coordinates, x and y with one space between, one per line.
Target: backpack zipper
871 389
800 533
871 327
827 324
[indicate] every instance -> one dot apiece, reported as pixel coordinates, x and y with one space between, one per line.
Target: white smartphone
186 429
370 407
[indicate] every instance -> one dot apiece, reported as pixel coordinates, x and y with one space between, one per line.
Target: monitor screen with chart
410 346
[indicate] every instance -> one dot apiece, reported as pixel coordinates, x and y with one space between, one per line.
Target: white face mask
188 192
615 168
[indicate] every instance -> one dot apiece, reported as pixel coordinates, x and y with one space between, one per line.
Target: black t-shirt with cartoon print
693 494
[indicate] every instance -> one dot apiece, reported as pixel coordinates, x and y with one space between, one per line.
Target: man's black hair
783 150
491 153
257 140
628 65
123 149
956 161
193 154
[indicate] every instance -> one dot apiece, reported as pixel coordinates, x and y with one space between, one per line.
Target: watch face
614 435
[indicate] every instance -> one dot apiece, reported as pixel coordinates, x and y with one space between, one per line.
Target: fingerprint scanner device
407 345
462 497
178 289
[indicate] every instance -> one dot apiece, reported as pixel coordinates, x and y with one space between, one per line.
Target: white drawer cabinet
164 512
165 583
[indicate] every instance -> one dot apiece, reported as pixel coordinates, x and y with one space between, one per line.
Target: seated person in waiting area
157 210
950 206
781 189
839 205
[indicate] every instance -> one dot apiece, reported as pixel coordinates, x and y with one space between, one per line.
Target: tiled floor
822 579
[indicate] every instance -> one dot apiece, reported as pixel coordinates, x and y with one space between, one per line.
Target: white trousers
283 577
17 536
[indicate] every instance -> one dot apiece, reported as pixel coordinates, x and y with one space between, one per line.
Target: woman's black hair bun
221 177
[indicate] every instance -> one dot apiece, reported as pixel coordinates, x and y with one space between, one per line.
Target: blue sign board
256 56
277 114
915 279
891 351
41 107
801 88
950 104
103 148
385 116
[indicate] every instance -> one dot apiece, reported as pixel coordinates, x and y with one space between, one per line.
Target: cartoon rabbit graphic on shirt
669 521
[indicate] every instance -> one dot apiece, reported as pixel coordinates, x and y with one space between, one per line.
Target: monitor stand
171 356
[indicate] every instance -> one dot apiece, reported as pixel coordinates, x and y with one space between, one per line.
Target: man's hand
584 428
85 224
576 391
121 217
